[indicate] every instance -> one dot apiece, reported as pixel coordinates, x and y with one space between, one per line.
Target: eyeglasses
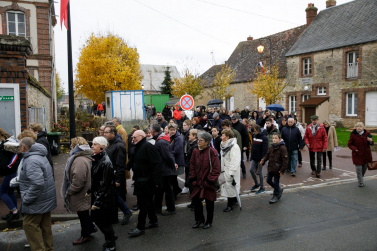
101 130
201 140
135 136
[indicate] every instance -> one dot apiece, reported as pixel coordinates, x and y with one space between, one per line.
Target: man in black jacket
168 167
245 114
147 166
293 141
118 155
238 126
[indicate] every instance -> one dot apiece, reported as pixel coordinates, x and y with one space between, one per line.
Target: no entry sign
186 102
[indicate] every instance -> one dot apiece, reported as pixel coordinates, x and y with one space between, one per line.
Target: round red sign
186 102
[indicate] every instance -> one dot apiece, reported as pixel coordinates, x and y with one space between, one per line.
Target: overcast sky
203 32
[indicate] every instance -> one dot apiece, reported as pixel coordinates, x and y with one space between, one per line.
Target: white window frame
322 90
307 66
353 108
292 102
305 97
353 66
16 22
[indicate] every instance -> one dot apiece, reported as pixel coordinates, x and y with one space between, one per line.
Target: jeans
274 184
169 196
329 155
255 164
360 171
198 209
123 207
7 193
146 206
87 226
292 161
319 161
242 164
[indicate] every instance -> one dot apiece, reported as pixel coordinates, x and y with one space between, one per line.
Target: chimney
311 13
330 3
249 38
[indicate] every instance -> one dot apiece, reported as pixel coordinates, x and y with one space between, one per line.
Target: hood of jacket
36 149
162 136
41 134
281 143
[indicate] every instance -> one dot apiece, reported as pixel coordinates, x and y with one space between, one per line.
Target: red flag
64 13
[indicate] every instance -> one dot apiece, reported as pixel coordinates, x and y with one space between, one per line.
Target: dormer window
16 23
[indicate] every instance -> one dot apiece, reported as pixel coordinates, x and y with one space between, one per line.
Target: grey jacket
37 182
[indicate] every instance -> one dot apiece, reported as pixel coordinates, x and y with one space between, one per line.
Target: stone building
34 21
332 68
244 61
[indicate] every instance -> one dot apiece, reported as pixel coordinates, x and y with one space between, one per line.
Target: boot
274 199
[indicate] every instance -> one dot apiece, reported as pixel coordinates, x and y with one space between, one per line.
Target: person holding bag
230 167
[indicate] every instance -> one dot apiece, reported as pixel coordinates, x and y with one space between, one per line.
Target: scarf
314 129
227 145
361 133
66 182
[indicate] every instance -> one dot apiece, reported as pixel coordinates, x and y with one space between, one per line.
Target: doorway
371 109
309 111
10 108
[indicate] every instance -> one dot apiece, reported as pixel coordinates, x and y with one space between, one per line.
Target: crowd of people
209 149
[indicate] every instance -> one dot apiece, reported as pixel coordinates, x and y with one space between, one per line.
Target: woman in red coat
203 179
360 142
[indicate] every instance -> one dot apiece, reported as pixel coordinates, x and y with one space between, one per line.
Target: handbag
221 179
372 165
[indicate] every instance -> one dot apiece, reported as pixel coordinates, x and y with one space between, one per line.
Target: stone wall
38 99
329 69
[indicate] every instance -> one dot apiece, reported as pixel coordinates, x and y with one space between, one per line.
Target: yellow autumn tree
222 80
269 86
107 63
189 83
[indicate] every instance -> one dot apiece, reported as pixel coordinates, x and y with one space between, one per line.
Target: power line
184 24
226 7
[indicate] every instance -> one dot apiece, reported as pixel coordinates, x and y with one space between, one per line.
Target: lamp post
260 48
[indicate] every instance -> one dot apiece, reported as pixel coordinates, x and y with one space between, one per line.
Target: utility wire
184 24
246 12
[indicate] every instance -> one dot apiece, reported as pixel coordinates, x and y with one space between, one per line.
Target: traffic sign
186 102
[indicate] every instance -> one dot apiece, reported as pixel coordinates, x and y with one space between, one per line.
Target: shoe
168 213
299 165
15 216
110 249
115 238
190 205
260 191
228 209
5 217
324 168
136 232
244 175
185 190
330 167
361 184
274 199
280 193
254 187
81 240
126 218
135 208
207 225
318 175
151 225
27 245
313 173
293 174
94 230
197 224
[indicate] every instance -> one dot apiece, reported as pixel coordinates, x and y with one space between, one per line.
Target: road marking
332 179
298 184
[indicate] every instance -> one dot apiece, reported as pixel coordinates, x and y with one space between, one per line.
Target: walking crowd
209 149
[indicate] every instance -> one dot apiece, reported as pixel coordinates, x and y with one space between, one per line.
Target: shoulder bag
372 165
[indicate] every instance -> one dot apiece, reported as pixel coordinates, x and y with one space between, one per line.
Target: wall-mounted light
260 48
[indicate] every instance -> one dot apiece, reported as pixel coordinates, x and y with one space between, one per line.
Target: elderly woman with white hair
102 191
360 142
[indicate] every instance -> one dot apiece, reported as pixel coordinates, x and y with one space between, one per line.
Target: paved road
333 217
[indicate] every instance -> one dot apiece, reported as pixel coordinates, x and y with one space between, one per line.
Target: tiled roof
210 74
314 101
343 25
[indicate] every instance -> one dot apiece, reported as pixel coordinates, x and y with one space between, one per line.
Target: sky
200 33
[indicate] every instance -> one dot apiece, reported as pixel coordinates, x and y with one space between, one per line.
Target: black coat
166 113
8 165
163 147
244 134
118 155
147 168
217 143
42 139
292 138
197 127
245 114
103 188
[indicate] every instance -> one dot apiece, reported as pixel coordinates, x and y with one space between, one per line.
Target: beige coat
80 178
332 140
230 165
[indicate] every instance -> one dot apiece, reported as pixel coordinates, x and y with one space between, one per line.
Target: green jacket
270 133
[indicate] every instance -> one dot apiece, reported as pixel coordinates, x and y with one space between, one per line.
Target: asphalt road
332 217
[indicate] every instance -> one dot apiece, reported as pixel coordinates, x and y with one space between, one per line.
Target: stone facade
329 69
40 99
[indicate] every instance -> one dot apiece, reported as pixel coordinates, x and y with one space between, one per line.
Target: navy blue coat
176 147
259 147
218 124
292 137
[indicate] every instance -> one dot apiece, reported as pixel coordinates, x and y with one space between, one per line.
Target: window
292 103
352 64
307 66
37 115
305 97
321 90
230 104
351 104
16 24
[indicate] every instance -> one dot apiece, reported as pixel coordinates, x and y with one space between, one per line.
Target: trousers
253 166
198 208
146 206
319 161
169 196
360 171
329 155
38 231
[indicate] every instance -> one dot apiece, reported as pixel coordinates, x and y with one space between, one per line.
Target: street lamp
260 48
142 86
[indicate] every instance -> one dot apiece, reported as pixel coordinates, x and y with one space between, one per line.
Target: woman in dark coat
203 179
166 113
195 124
102 191
255 117
360 142
176 148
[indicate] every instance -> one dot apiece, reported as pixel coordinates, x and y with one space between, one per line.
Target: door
10 108
371 109
309 111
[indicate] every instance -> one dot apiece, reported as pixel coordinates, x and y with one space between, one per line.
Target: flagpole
72 126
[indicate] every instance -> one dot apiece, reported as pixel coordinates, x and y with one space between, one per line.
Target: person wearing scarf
230 166
77 181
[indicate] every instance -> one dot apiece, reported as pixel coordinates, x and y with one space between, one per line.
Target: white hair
101 141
